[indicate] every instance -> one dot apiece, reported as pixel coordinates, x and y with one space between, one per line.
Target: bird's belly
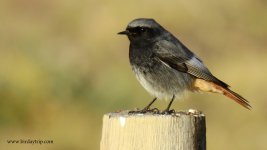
162 81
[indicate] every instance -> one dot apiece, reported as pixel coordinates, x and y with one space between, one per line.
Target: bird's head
143 31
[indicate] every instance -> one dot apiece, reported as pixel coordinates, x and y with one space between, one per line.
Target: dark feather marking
179 67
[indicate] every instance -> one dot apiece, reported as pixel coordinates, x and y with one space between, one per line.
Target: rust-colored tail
236 97
208 86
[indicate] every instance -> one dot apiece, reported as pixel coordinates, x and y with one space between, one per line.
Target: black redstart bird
166 68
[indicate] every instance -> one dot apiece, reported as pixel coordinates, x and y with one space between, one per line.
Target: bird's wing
178 57
182 59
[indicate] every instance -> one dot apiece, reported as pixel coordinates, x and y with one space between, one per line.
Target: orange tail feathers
236 97
208 86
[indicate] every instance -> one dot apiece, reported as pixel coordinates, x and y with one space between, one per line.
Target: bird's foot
167 112
145 110
154 111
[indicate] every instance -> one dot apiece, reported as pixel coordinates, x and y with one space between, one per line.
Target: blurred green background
62 66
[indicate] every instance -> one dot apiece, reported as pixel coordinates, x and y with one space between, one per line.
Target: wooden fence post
184 130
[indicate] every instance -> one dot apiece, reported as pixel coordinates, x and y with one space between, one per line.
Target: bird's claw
145 110
167 112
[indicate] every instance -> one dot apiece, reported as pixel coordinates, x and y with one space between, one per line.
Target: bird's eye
142 29
138 30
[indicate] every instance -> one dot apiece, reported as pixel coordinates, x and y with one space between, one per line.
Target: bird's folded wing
178 57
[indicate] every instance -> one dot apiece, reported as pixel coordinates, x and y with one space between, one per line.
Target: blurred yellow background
62 66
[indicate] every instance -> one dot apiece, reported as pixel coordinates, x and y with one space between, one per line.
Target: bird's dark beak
126 32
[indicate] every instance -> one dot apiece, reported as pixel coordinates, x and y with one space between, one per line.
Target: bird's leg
147 108
167 110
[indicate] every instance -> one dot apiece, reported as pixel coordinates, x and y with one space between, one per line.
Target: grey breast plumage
155 75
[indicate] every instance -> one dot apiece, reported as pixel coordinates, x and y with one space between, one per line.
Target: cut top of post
183 130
